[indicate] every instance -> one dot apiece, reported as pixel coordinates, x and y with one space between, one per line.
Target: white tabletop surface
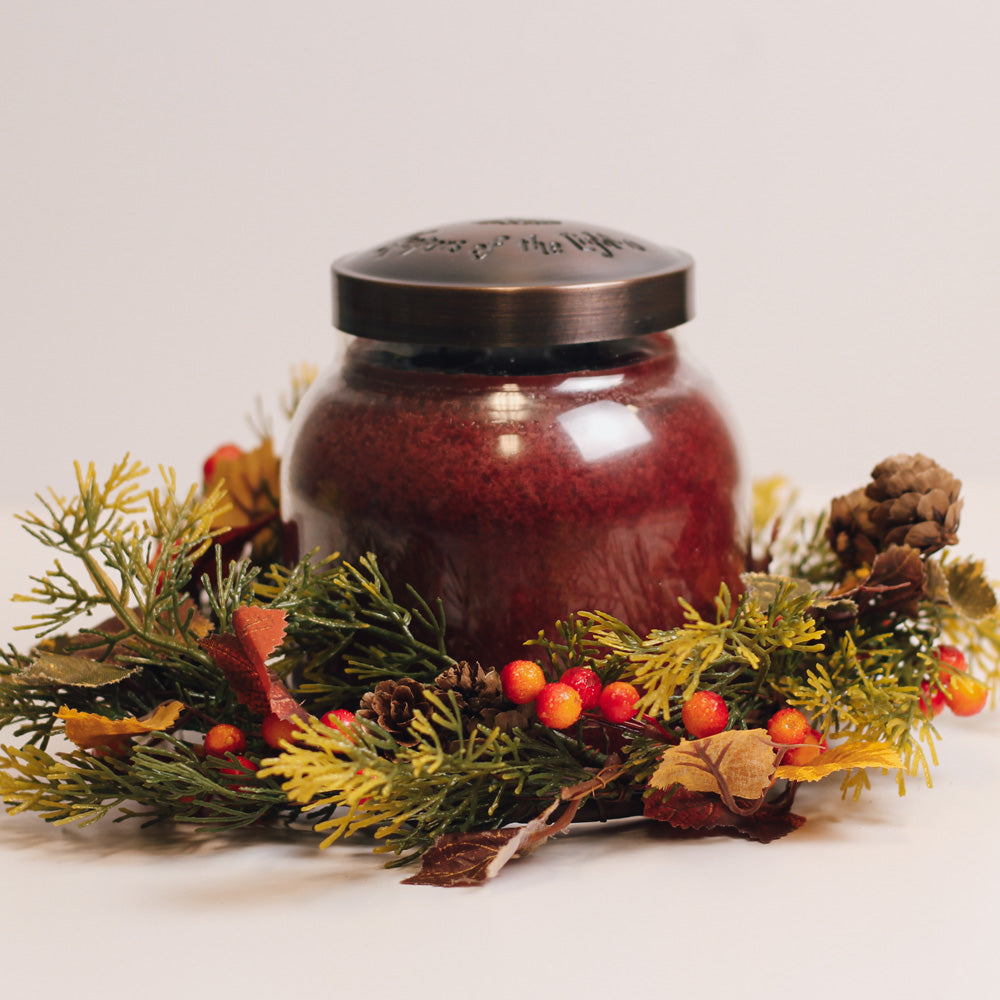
889 897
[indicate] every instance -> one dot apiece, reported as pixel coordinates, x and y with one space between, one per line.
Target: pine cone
480 697
475 687
916 503
392 704
911 501
851 532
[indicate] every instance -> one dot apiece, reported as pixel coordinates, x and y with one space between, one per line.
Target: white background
175 179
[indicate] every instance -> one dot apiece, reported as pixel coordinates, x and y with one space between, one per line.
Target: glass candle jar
512 431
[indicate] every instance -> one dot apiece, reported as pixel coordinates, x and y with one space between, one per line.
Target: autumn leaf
737 762
88 730
64 670
965 586
859 753
241 657
250 485
463 859
703 812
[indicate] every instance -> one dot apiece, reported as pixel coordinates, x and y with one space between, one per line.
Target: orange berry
788 726
522 680
619 702
223 739
799 756
966 695
275 729
705 713
558 705
587 684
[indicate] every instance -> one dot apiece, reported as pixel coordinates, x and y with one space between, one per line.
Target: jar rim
511 282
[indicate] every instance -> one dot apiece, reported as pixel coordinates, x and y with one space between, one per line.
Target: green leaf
969 592
71 671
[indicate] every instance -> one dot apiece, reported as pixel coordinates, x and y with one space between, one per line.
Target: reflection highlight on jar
603 429
590 383
509 445
508 404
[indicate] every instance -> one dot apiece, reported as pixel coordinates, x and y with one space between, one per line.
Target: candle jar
511 431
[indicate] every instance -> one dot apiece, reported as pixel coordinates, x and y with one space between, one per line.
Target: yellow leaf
88 730
250 484
843 758
742 758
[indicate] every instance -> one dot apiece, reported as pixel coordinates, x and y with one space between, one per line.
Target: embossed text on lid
509 282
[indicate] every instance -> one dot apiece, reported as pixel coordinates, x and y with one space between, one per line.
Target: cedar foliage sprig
447 781
138 549
137 570
166 779
347 631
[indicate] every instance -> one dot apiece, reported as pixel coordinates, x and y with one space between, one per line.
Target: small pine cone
477 689
911 500
480 698
392 704
916 503
851 532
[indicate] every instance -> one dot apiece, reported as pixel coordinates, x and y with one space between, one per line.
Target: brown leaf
897 582
241 657
742 758
88 730
459 859
704 812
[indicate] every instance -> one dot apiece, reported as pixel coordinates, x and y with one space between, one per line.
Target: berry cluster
225 739
560 704
963 694
788 727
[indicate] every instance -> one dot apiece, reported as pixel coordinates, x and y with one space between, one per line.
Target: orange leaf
241 657
88 730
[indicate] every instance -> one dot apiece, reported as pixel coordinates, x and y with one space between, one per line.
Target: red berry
619 702
966 695
223 739
933 700
788 726
275 729
558 705
226 452
799 756
952 661
522 680
586 684
244 771
705 713
339 719
952 658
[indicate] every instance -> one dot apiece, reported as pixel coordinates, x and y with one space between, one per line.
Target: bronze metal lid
512 282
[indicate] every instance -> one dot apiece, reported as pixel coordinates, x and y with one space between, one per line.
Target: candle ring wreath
221 687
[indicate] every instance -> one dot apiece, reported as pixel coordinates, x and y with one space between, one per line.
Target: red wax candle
514 439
